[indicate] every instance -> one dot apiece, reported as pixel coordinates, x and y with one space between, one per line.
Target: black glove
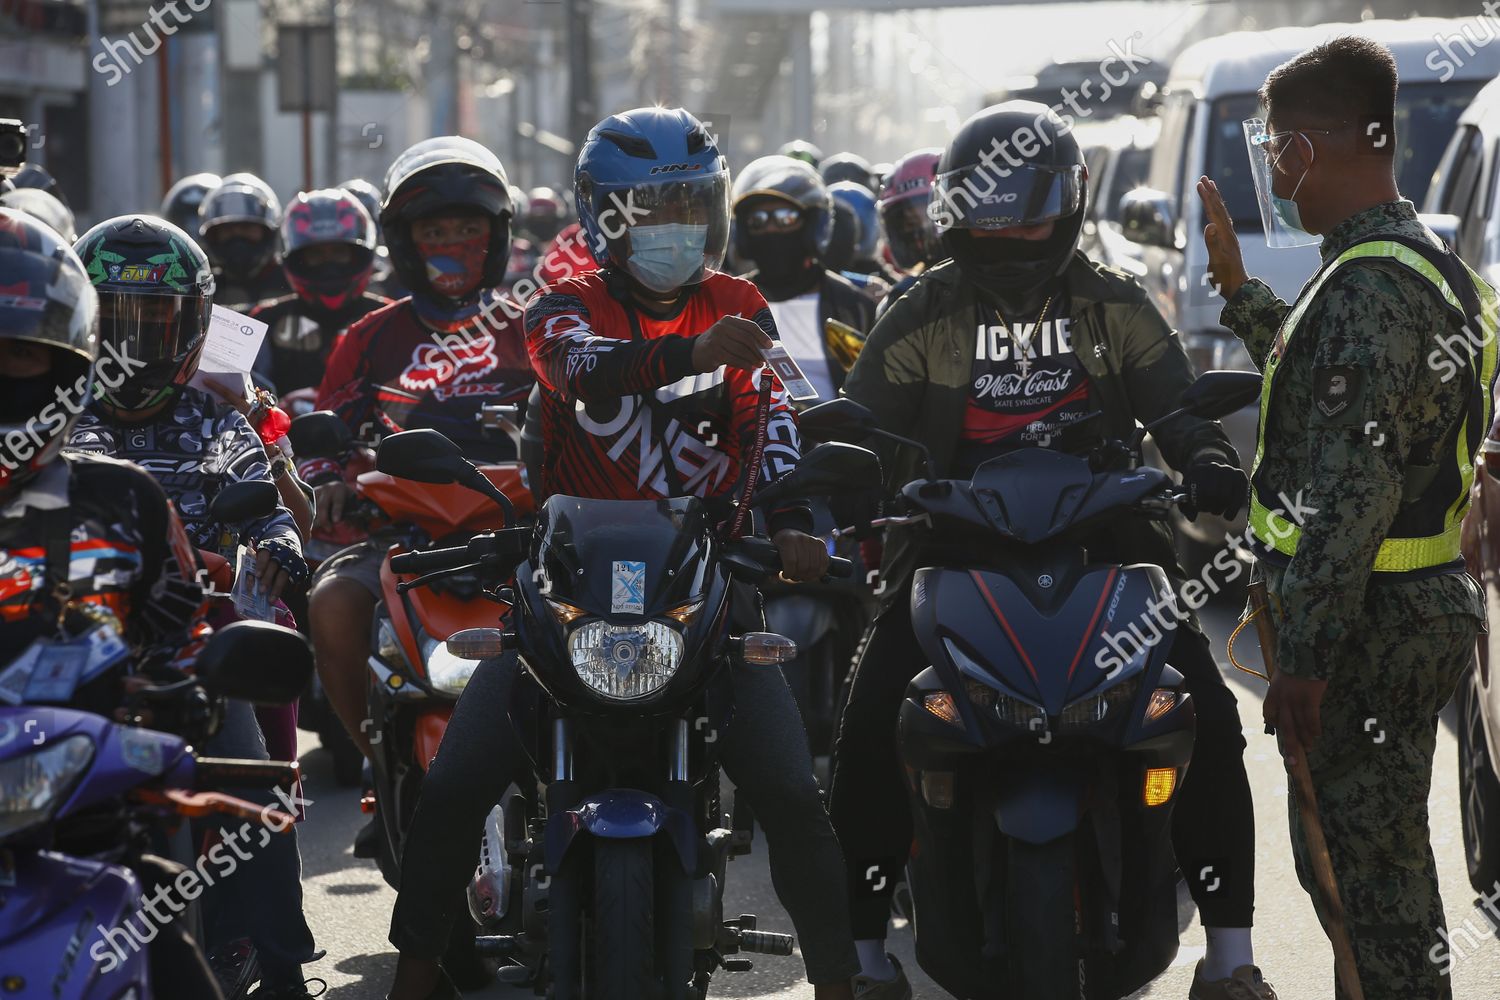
1216 487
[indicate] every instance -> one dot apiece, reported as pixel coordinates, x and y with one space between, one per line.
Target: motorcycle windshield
1034 494
630 558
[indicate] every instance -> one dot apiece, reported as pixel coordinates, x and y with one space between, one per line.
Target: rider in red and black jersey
627 412
429 360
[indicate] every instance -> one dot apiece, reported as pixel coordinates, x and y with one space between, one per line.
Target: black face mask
781 258
240 257
21 399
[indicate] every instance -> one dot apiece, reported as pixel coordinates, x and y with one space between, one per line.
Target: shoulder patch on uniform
1336 387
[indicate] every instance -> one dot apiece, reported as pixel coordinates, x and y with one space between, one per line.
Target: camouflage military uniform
1361 397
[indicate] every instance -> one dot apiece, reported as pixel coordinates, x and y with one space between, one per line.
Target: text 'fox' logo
451 362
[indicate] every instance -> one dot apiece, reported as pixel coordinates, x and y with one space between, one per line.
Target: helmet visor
45 299
909 232
984 197
153 328
1278 215
674 219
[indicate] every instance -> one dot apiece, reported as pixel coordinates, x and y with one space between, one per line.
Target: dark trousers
1213 825
764 753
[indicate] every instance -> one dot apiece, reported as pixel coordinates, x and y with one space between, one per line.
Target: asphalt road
349 905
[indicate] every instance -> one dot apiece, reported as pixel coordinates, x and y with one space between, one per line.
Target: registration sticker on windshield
627 592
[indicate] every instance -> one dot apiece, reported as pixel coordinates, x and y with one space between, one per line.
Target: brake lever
425 579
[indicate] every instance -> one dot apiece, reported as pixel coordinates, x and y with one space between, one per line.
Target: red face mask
455 268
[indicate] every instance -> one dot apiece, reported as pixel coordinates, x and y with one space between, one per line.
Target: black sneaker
290 991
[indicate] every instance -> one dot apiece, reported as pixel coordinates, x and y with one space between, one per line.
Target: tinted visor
981 197
153 328
909 232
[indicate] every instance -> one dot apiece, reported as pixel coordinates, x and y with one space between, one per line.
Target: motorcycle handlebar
431 560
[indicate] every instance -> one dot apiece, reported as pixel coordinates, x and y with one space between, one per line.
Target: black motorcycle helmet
183 199
1016 190
848 167
156 291
789 180
49 304
242 200
448 172
32 175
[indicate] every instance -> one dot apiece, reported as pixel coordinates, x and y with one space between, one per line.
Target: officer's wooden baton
1307 806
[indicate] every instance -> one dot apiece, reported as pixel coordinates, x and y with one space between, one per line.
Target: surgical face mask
1280 216
666 257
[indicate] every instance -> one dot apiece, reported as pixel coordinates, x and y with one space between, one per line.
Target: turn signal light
1163 700
1161 782
941 704
476 643
767 649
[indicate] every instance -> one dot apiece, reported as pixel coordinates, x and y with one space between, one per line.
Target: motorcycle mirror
424 456
319 434
244 500
1219 393
827 470
839 419
257 662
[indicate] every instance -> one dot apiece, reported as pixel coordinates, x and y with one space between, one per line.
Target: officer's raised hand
1226 268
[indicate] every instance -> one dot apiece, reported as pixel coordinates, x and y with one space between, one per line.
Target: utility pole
583 112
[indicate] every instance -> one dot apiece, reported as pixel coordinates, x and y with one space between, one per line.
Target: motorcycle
603 873
1041 784
80 799
413 682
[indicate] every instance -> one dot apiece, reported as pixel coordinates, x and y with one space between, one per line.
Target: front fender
1038 806
620 814
799 617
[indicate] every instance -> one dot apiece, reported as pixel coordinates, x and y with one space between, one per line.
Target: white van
1211 90
1461 202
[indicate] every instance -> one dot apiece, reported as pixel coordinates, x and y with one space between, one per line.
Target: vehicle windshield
1426 115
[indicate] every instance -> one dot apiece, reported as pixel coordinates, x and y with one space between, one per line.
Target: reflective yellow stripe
1395 554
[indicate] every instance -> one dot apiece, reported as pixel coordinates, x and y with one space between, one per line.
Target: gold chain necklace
1023 359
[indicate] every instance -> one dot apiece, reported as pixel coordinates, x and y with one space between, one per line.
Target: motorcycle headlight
985 695
1096 708
625 662
446 672
34 785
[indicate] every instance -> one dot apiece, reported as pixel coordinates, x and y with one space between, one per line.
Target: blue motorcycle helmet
653 197
861 200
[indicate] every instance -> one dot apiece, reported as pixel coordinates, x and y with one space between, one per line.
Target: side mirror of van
1146 217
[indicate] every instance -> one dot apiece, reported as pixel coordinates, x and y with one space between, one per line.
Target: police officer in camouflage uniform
1377 396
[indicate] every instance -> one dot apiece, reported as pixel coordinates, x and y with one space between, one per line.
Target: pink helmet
911 235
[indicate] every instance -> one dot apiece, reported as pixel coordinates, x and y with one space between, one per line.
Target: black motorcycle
603 873
1043 745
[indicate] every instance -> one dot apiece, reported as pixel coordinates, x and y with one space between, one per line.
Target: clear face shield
1279 216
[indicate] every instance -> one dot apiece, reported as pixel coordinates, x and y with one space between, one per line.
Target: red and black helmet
445 173
327 247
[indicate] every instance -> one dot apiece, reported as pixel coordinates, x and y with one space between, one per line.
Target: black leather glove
1215 487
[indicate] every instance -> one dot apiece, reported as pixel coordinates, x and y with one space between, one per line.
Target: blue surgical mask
1286 208
665 257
